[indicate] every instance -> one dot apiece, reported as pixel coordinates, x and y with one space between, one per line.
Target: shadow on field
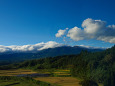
12 84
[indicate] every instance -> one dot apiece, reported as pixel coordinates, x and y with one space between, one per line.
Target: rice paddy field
16 83
61 81
56 72
59 78
15 72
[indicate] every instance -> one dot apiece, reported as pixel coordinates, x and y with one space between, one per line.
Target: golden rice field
57 81
62 81
15 72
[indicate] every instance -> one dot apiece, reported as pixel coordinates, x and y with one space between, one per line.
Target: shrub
88 83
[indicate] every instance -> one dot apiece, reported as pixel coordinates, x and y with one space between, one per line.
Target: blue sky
33 21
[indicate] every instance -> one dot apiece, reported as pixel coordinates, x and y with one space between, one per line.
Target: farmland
62 81
14 72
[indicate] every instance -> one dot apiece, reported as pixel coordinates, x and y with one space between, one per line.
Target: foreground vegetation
20 81
61 81
57 78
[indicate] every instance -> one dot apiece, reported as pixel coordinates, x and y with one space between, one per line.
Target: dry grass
15 72
62 72
63 81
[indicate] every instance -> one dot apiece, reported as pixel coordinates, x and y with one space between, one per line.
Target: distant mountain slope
50 52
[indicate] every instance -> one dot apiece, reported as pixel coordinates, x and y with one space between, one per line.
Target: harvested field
63 81
15 72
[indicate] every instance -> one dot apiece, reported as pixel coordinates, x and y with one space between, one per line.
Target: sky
83 22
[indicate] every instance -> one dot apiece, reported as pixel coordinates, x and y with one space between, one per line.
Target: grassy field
21 81
59 77
63 81
16 83
62 73
25 71
55 72
15 72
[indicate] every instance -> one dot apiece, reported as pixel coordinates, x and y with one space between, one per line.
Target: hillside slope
51 52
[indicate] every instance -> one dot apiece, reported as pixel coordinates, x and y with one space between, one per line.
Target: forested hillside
7 58
98 66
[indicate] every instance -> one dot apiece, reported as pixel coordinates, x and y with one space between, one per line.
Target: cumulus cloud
93 29
61 32
75 34
27 48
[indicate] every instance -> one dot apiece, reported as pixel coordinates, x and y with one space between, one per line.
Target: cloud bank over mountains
37 47
30 48
91 29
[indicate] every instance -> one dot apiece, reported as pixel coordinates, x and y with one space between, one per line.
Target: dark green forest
95 67
11 57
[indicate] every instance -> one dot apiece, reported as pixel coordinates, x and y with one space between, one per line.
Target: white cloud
50 44
33 48
93 29
27 48
75 34
4 48
61 32
93 26
90 47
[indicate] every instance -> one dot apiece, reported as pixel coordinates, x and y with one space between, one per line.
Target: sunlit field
59 78
15 72
55 72
63 81
15 83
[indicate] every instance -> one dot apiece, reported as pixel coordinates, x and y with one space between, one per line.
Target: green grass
14 72
55 72
20 81
62 81
16 83
60 77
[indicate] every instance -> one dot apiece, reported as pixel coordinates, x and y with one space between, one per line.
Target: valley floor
61 78
16 83
62 81
15 72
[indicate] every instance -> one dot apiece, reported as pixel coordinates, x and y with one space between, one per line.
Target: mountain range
50 52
